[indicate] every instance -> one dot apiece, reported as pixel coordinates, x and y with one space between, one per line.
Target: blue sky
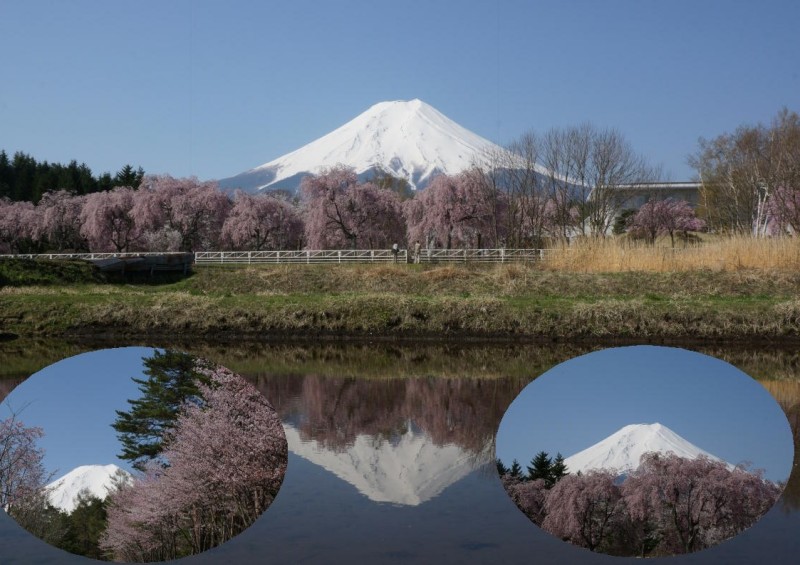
705 400
74 401
207 88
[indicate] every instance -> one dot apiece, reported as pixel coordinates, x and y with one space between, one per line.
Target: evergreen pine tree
127 176
516 469
85 525
558 470
171 380
540 468
501 469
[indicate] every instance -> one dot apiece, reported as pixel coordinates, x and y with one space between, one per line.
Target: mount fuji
410 140
622 450
99 479
406 470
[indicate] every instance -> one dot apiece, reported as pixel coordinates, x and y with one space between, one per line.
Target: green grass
25 272
510 301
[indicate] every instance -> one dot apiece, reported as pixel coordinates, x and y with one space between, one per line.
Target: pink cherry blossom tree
185 211
457 211
258 222
695 503
662 217
341 212
59 215
529 496
226 456
18 224
584 509
22 473
107 222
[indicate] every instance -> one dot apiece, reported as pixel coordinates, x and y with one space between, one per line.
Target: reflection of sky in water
74 401
704 400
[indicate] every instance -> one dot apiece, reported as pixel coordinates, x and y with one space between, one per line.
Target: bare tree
585 167
742 171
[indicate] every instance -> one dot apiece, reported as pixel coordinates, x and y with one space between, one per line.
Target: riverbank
515 302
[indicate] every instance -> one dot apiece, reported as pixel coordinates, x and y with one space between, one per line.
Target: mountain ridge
408 139
98 479
622 450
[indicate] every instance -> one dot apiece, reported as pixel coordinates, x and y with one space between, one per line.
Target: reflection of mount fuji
408 468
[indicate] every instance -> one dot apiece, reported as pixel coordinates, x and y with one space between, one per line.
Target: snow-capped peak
408 139
98 479
622 450
406 470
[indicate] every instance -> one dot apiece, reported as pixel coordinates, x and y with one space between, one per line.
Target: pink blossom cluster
225 461
669 505
664 217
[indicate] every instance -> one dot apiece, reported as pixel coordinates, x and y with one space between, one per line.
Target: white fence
480 255
309 256
369 256
92 256
325 256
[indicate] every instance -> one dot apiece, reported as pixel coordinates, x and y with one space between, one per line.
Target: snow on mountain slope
407 139
407 470
96 478
623 449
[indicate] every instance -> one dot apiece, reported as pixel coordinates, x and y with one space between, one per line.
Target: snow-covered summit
407 139
97 478
622 450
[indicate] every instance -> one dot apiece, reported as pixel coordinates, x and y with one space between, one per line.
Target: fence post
339 254
502 254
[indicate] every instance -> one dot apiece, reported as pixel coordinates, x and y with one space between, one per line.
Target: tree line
23 178
554 186
334 210
670 505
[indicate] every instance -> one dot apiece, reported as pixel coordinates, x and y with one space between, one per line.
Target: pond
392 453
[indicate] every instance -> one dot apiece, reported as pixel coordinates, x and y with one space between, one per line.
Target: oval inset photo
644 451
138 454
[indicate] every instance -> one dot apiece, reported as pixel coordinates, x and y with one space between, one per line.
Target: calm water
391 455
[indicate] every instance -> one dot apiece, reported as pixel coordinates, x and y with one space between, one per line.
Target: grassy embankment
728 290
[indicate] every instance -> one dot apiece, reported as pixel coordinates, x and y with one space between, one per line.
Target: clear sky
705 400
74 401
208 88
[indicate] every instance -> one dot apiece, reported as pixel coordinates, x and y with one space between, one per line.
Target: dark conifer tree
541 468
515 470
558 470
127 176
171 380
501 469
84 526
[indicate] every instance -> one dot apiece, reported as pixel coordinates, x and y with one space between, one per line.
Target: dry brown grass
716 254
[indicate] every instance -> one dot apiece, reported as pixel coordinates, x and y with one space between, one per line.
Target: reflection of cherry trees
334 410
